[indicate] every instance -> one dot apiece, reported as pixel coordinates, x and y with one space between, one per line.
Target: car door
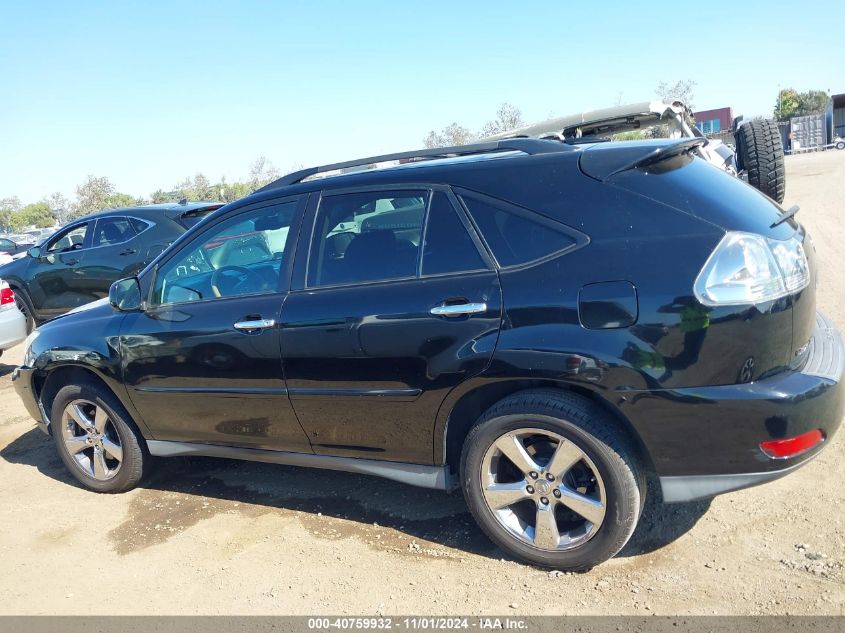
114 252
56 283
395 303
201 361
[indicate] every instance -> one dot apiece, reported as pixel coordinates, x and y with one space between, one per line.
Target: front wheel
552 480
94 438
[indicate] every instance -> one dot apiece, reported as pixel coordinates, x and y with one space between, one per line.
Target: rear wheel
840 145
552 480
97 444
760 154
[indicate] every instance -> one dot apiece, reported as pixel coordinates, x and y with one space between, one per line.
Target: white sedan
12 320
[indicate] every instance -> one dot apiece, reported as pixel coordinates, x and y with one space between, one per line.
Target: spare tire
759 152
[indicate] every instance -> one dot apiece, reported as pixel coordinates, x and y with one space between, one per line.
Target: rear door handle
253 325
459 309
71 262
129 251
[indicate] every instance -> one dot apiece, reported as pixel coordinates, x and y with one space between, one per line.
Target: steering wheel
244 275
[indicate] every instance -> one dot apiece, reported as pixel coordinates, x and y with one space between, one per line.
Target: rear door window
368 236
112 230
448 246
514 235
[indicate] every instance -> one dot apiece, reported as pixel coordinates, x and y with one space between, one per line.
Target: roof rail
525 145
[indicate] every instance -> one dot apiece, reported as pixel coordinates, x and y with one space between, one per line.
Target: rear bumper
713 446
22 382
12 327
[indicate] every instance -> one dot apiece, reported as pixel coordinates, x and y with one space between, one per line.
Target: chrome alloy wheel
543 489
91 439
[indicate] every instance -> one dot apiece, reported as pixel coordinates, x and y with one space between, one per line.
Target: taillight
790 447
7 295
746 268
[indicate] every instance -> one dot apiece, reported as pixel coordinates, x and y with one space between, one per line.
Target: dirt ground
218 537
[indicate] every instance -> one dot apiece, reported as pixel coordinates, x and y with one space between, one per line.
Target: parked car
756 155
12 247
79 262
39 235
542 325
12 320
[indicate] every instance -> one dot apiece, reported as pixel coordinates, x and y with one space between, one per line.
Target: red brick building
711 121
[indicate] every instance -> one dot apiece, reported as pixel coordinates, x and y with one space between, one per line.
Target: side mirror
34 252
125 295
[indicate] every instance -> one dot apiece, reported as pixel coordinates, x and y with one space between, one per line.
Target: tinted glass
367 237
448 246
243 255
514 238
4 243
71 239
139 225
112 231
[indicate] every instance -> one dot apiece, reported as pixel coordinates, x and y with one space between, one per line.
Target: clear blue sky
148 93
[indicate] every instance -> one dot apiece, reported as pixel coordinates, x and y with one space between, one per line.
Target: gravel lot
217 537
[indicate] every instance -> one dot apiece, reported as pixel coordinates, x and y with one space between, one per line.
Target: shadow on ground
5 370
227 485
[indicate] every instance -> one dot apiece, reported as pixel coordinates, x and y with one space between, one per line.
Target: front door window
241 256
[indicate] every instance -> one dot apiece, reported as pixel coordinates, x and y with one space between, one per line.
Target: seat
375 255
110 234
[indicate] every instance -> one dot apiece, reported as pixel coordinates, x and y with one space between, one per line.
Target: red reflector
6 296
792 446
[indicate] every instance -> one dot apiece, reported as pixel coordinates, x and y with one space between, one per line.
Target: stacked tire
759 152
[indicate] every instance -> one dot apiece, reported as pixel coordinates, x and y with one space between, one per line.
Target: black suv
540 324
78 263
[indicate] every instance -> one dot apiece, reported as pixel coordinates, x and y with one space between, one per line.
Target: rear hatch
670 173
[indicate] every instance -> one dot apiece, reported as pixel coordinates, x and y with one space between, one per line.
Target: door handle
129 251
459 309
253 325
70 262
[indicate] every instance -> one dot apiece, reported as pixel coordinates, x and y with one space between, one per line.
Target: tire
760 154
25 307
840 145
536 420
79 449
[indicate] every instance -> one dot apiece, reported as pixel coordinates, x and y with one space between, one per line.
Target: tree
37 214
158 197
508 118
7 207
229 192
193 189
59 206
119 201
682 90
813 102
10 204
792 103
262 172
787 103
91 196
449 136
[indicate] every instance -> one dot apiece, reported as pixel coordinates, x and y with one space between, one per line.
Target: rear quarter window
516 236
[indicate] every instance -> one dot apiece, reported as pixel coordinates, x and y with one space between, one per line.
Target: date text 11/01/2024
418 623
